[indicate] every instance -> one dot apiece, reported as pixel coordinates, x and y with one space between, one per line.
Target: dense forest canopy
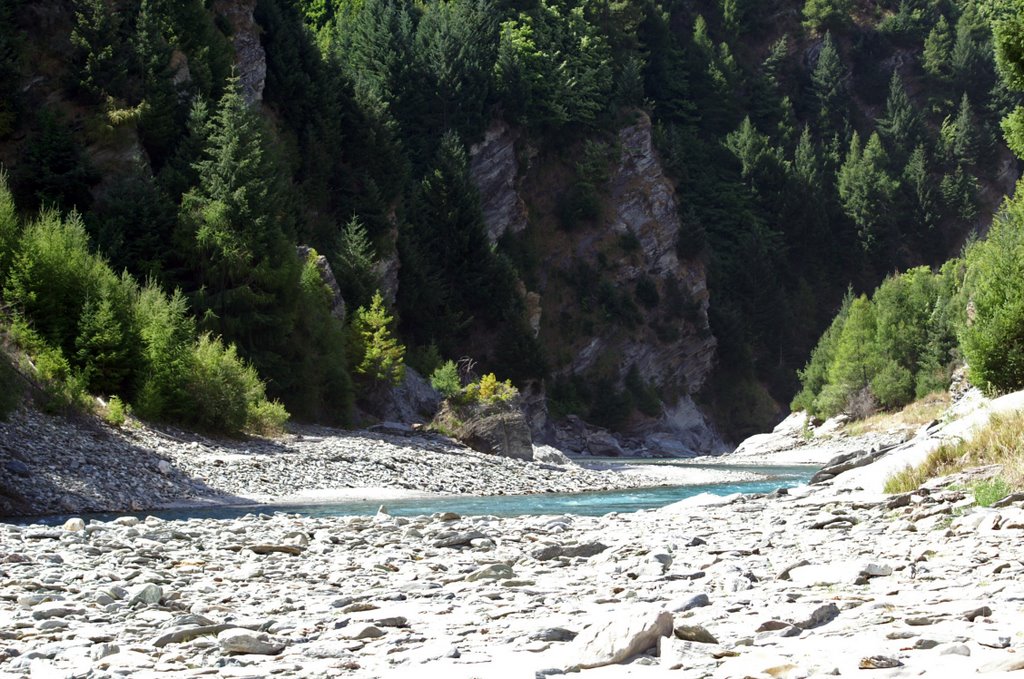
813 146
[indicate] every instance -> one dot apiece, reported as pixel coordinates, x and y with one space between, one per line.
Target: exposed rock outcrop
643 204
672 347
497 429
414 400
250 59
494 169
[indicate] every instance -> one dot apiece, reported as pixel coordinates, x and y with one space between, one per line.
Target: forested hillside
623 206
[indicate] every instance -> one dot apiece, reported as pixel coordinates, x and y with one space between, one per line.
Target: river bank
791 586
53 465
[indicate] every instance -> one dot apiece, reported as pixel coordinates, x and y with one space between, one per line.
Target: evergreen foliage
796 176
376 352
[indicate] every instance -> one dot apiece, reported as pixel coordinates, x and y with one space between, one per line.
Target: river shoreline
57 466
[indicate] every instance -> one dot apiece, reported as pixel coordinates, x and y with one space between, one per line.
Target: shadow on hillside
61 465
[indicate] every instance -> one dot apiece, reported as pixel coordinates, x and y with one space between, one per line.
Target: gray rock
241 641
18 468
459 539
553 634
695 633
683 605
497 429
953 649
496 571
250 58
147 594
620 637
494 169
817 617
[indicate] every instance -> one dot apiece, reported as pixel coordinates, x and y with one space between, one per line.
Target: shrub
488 390
993 336
167 333
63 388
893 386
228 393
988 492
445 379
53 275
116 412
424 359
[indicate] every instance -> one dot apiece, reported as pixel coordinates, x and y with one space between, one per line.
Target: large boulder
496 429
414 400
620 637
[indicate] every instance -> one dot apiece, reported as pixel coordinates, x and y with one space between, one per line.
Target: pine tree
828 83
826 14
354 264
378 353
936 58
161 121
900 126
856 358
246 272
454 50
961 140
918 181
867 190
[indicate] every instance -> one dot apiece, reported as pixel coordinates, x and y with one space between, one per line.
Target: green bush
445 379
993 335
893 385
228 393
489 390
167 333
116 412
53 275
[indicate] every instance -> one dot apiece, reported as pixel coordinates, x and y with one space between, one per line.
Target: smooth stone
695 633
74 524
147 594
954 649
496 571
620 637
683 605
242 641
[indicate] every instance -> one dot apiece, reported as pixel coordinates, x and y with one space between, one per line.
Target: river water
587 504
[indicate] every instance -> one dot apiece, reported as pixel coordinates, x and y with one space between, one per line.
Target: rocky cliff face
250 59
671 347
495 171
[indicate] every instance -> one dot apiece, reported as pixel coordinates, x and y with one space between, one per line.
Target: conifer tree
856 358
828 82
378 354
961 140
867 190
936 58
246 272
900 126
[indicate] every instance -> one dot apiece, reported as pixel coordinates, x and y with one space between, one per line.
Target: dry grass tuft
1001 442
921 411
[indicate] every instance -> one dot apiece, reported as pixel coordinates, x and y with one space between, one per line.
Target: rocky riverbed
788 586
55 465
